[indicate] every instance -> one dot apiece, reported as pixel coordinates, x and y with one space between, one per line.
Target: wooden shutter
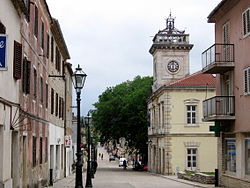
52 101
17 60
36 22
60 107
2 28
248 80
245 81
56 104
28 66
47 55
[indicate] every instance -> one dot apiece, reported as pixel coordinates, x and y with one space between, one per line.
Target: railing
221 107
218 53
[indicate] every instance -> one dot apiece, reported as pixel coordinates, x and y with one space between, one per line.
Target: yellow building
178 139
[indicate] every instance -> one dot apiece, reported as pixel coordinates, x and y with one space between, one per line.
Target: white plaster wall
9 88
56 138
11 20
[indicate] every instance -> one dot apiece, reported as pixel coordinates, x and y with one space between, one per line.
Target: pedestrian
99 155
124 164
95 165
102 156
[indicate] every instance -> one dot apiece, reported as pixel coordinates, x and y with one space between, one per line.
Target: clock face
173 66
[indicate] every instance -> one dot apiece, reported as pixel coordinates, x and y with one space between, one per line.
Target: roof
194 80
220 9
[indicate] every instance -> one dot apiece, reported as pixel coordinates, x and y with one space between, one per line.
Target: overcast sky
110 39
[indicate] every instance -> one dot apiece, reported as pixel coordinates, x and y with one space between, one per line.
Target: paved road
109 175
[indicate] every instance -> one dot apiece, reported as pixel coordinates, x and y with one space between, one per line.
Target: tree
121 112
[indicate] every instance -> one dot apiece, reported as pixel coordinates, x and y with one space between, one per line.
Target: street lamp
78 78
88 179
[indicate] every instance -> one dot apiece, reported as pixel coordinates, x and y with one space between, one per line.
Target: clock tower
170 51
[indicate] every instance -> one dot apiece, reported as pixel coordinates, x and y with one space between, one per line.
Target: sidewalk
174 178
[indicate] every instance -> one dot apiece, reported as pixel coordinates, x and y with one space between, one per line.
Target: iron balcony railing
219 108
218 53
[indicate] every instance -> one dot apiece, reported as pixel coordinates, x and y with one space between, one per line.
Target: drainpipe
65 116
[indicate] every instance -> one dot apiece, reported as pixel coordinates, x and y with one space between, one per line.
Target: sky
110 39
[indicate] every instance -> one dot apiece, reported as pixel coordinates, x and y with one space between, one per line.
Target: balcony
219 108
218 59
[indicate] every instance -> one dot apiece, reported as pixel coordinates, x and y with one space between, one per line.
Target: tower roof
170 38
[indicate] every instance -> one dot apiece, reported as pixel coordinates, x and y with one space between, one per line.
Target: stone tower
170 51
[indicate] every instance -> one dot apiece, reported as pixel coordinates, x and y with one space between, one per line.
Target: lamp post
78 78
88 179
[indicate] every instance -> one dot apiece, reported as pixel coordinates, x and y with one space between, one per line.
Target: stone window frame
192 145
192 102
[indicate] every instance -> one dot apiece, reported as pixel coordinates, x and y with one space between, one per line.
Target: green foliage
122 112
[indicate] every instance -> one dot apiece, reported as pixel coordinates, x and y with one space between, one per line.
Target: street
110 175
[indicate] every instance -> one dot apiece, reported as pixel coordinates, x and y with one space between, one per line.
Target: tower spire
170 23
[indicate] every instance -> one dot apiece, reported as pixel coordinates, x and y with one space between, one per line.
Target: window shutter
62 109
245 81
248 80
47 55
2 29
244 24
248 20
17 61
52 101
28 64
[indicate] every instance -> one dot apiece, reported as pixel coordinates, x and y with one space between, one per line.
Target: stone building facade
177 136
34 64
229 109
10 58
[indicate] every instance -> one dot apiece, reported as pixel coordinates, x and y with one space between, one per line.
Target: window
36 22
60 107
27 9
52 49
191 114
17 64
47 96
52 101
230 155
246 22
41 150
58 60
46 149
41 87
47 55
247 81
191 158
56 104
42 35
35 84
26 76
34 152
247 155
162 116
226 37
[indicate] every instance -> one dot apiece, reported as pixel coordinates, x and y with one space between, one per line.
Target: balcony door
226 40
227 103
